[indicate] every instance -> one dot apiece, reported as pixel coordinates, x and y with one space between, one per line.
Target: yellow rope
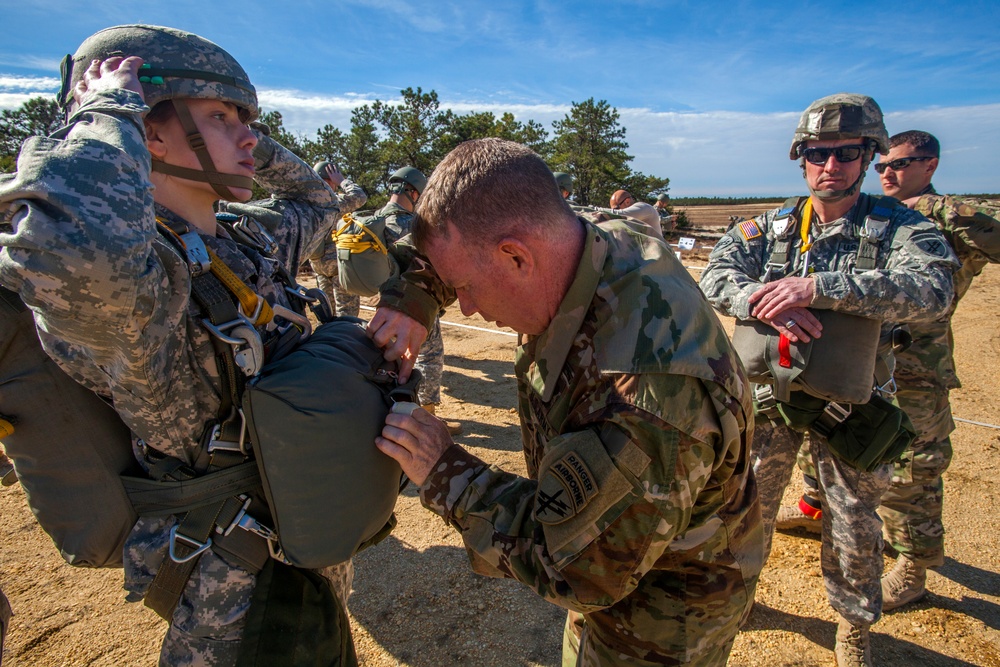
356 243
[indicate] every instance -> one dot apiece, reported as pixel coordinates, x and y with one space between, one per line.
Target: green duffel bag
312 418
838 366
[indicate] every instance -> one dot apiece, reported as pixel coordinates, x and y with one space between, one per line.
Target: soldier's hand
416 441
332 173
774 297
797 324
110 74
400 337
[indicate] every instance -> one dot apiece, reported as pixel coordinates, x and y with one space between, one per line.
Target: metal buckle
301 292
301 321
236 520
199 547
197 254
218 329
257 233
837 412
215 443
874 229
889 388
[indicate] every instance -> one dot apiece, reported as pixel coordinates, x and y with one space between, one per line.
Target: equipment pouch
312 418
875 433
295 620
363 262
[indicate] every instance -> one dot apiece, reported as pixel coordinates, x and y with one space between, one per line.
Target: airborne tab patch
564 490
749 230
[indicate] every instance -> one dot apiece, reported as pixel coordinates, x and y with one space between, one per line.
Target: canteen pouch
69 447
312 418
838 366
875 433
295 620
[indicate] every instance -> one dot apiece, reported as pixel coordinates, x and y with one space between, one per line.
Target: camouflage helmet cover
320 167
841 116
564 181
411 176
177 64
663 198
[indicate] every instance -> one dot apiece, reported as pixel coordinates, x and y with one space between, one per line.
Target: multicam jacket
912 282
635 420
975 237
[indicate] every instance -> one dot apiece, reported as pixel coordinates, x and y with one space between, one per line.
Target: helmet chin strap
208 173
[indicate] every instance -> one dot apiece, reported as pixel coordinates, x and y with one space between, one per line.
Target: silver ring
789 324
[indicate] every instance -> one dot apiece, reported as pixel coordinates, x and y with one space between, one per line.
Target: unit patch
932 244
749 229
564 490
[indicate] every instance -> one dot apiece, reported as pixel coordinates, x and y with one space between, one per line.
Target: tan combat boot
853 648
906 582
793 516
454 428
7 475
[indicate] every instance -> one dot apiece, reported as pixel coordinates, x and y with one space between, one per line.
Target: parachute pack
300 480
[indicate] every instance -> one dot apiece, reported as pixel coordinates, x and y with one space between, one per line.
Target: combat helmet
564 181
410 176
320 167
663 198
842 116
177 65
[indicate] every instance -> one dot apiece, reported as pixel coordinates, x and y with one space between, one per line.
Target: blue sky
709 92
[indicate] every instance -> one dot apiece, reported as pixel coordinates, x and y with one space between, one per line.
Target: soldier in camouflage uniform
664 209
925 373
639 512
112 296
835 141
324 260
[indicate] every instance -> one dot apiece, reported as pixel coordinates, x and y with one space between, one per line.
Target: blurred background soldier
665 211
623 203
324 260
565 183
806 256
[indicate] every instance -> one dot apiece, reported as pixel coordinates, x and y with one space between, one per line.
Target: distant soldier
623 203
639 513
665 211
324 260
565 183
925 372
837 250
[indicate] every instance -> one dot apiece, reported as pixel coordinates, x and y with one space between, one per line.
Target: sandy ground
417 603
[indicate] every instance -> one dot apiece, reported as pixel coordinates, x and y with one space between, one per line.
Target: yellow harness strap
356 243
807 210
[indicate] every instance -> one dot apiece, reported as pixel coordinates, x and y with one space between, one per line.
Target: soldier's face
832 174
228 140
909 180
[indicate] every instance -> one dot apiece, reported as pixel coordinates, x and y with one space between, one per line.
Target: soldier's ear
155 140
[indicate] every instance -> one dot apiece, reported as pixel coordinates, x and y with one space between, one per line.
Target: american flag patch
749 229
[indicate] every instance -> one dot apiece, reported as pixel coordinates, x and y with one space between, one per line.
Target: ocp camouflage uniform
913 283
324 260
430 361
639 513
925 373
112 304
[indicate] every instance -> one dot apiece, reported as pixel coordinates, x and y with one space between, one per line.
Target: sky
709 92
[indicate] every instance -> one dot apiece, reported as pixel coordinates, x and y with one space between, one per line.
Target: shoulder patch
932 244
749 229
565 489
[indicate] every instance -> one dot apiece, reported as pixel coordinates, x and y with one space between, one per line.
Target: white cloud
28 83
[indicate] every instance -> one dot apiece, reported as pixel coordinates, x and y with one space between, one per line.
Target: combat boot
805 514
906 582
853 648
454 428
7 475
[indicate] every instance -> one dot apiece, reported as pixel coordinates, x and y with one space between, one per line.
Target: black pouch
295 620
875 433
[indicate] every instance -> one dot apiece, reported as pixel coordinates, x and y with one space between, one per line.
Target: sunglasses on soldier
843 154
899 163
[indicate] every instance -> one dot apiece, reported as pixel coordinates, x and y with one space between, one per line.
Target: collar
546 353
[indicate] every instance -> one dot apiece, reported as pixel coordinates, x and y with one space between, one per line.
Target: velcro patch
932 244
564 490
749 229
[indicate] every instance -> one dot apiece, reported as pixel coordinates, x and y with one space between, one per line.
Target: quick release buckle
197 254
216 443
199 547
834 414
248 349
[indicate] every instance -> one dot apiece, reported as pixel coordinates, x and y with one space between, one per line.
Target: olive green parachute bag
312 418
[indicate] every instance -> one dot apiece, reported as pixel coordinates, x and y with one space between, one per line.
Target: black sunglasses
842 153
899 163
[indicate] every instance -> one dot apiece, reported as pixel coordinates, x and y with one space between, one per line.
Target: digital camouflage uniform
430 361
913 283
925 372
639 513
324 260
112 304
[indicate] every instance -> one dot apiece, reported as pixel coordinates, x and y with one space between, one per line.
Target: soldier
565 183
623 203
106 260
832 251
925 373
664 209
324 260
639 513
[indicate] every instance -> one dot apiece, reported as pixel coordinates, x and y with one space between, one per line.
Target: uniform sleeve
734 270
353 197
418 291
973 232
915 284
593 524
